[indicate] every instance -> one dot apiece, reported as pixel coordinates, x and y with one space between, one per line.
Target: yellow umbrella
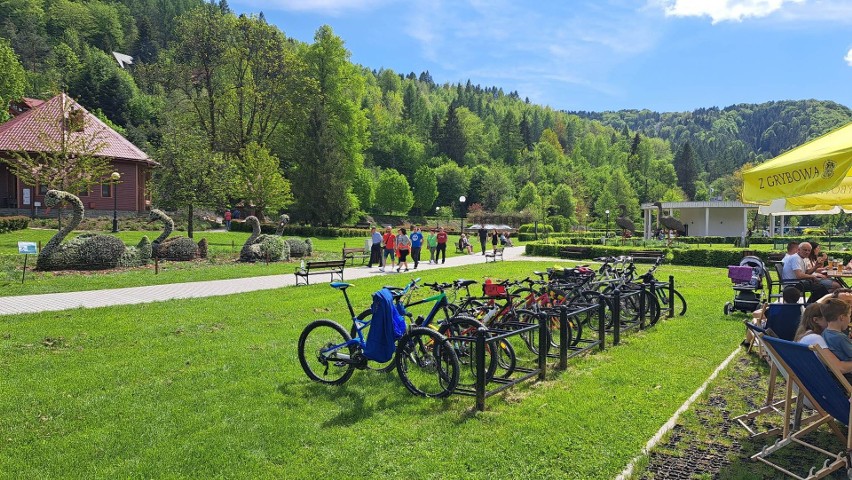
814 170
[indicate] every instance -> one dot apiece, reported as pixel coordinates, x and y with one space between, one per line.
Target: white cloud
723 10
848 57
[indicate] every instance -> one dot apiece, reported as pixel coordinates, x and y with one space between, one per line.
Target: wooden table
839 275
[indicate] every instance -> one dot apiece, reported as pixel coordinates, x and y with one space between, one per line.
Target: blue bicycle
425 360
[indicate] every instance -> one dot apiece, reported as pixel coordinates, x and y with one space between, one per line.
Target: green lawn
212 387
224 248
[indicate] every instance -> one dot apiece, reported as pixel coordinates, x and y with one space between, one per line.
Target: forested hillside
250 115
725 139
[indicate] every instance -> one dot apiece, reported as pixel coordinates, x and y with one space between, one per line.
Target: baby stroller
747 279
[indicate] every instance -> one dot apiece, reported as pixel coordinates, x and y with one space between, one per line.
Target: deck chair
826 390
782 320
772 405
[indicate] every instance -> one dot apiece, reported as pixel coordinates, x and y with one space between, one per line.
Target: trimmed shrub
530 228
302 230
300 248
202 248
10 224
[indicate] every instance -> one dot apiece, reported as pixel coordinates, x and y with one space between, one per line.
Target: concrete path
158 293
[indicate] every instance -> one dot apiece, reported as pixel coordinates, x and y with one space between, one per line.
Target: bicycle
660 292
425 360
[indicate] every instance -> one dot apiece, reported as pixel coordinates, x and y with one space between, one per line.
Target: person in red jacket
389 243
442 246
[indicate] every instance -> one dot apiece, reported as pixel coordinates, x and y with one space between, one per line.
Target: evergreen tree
510 138
687 169
526 132
452 140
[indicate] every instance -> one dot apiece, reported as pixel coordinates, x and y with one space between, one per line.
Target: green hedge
530 228
303 230
10 224
698 257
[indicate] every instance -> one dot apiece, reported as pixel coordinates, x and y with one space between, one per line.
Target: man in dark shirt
483 237
442 246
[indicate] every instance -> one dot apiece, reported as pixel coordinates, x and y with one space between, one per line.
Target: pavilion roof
40 128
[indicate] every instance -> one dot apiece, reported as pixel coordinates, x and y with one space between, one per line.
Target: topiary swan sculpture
261 247
179 248
88 251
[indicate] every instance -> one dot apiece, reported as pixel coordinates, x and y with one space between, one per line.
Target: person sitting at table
816 283
815 260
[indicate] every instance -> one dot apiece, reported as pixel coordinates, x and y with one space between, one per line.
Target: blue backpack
386 326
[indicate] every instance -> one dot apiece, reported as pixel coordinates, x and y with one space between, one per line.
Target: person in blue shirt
836 313
416 244
375 248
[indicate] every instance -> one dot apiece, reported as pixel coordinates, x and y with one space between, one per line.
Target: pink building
36 125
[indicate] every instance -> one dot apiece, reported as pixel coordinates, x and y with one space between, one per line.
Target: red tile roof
39 129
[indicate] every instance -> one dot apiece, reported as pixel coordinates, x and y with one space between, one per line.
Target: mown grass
224 248
213 388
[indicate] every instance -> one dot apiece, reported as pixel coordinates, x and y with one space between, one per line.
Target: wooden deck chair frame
771 405
816 385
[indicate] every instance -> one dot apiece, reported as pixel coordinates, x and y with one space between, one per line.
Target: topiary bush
85 252
202 248
300 248
530 228
180 249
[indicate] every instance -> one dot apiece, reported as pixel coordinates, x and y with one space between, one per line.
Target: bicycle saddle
340 285
465 283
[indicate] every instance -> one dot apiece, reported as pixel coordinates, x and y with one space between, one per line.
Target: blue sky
664 55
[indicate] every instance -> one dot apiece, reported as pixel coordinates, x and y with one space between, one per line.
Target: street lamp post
606 235
462 199
115 178
437 217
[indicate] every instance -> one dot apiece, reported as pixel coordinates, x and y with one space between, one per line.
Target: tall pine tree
687 168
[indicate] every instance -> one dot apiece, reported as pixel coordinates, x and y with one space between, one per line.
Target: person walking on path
483 236
432 243
388 241
403 246
495 237
228 220
442 246
375 248
416 245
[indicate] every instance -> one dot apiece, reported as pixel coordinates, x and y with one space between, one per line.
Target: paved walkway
158 293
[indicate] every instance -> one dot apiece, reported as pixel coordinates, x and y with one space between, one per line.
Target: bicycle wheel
679 307
506 359
531 337
466 349
325 351
652 308
427 363
371 365
592 297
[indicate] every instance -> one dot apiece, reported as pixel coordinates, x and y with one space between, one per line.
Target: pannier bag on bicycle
386 327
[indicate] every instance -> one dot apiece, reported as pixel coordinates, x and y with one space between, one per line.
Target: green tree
687 168
425 189
511 142
258 181
452 183
13 81
393 194
364 187
452 140
564 203
190 175
334 140
528 196
497 188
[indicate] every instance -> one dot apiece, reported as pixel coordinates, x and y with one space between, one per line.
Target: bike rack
567 351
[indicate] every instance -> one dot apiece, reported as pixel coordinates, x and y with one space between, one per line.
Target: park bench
575 252
646 255
350 254
331 267
494 254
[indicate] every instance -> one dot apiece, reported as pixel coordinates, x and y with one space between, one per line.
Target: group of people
497 237
229 215
825 322
805 264
398 246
